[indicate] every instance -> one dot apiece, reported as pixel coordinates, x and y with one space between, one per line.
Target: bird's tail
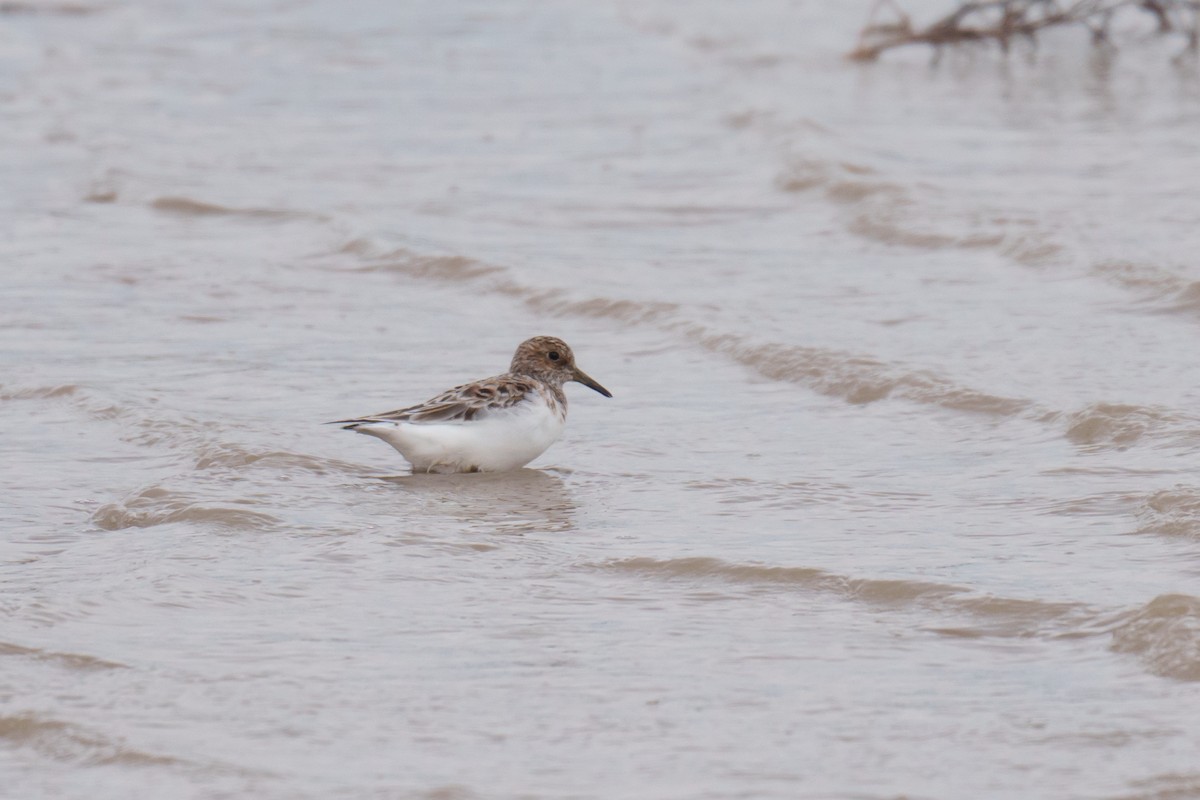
351 424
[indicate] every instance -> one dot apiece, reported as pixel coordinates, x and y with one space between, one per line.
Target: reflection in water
520 501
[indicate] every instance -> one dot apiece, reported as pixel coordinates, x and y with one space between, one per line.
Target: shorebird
489 425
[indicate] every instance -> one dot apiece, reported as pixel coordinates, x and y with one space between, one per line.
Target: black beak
582 377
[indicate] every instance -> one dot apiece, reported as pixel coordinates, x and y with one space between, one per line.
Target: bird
490 425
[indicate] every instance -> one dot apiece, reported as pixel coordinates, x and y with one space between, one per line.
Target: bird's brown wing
471 401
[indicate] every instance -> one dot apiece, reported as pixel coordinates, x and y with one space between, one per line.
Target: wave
76 661
896 202
1160 288
703 568
994 616
1167 786
88 401
62 741
700 569
450 268
156 505
886 212
1171 512
856 378
227 455
185 206
1118 426
136 424
39 392
15 7
1164 635
742 492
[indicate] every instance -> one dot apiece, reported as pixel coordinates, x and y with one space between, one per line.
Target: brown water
898 495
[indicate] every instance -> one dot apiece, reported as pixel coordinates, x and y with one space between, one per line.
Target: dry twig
1002 21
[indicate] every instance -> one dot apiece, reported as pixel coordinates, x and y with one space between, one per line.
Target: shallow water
896 496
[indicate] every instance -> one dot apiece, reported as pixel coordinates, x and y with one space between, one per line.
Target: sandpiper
488 425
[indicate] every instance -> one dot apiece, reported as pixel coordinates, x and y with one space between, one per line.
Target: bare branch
1001 21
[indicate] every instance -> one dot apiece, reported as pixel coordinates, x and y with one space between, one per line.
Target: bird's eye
553 355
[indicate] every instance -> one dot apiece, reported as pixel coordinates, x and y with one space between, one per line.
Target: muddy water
896 496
